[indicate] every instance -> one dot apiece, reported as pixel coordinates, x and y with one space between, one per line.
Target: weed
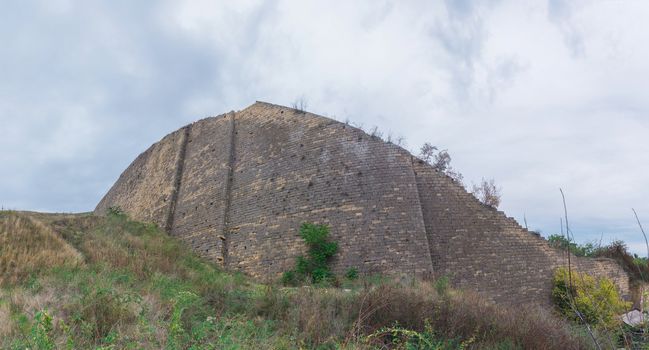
403 338
320 250
137 288
177 332
441 285
41 331
299 105
351 273
589 300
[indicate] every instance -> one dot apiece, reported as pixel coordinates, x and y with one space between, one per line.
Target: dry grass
326 316
28 245
6 324
133 274
466 316
136 247
321 316
619 252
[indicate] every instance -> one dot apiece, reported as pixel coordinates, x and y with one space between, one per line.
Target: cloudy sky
539 95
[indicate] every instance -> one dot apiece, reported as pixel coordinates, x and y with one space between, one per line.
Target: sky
538 95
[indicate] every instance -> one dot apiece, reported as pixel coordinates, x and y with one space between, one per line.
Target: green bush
351 273
561 242
404 338
289 278
596 300
442 285
115 212
41 331
101 309
315 266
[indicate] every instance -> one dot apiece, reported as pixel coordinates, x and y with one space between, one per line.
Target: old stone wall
199 215
604 267
294 167
237 187
481 249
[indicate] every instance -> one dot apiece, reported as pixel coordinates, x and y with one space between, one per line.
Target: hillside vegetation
87 282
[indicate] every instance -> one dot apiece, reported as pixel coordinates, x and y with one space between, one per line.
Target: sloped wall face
292 168
481 249
145 189
237 187
199 213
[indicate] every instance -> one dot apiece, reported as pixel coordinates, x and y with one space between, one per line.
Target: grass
28 245
85 282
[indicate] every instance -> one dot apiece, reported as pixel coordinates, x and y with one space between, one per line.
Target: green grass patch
134 287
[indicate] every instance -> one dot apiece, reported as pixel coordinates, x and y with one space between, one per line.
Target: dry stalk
570 296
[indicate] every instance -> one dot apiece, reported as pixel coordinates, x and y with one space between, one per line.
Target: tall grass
28 245
127 285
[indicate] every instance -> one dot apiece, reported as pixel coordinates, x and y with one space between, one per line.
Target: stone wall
481 249
293 167
237 187
199 213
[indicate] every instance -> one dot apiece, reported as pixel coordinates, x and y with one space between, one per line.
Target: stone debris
634 318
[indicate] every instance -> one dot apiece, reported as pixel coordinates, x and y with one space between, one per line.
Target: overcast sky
535 94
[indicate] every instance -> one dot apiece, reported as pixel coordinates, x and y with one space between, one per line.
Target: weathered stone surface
237 187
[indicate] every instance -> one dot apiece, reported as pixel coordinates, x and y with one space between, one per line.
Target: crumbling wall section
601 267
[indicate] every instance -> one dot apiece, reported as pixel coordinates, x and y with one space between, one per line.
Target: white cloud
538 95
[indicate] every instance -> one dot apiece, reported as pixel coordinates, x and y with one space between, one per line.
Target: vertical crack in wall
228 191
178 176
421 212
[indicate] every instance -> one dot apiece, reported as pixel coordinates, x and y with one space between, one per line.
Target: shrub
617 250
318 317
403 338
116 212
178 333
596 300
315 266
462 318
441 285
289 278
140 289
351 273
299 105
561 242
102 310
41 331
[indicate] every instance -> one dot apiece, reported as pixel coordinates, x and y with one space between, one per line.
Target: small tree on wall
299 105
487 192
441 161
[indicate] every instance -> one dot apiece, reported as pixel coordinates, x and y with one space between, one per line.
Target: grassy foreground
87 282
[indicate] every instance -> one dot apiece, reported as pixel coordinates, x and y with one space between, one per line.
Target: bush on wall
315 266
596 300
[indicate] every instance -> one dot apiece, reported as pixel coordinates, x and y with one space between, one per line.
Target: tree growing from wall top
487 192
441 161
